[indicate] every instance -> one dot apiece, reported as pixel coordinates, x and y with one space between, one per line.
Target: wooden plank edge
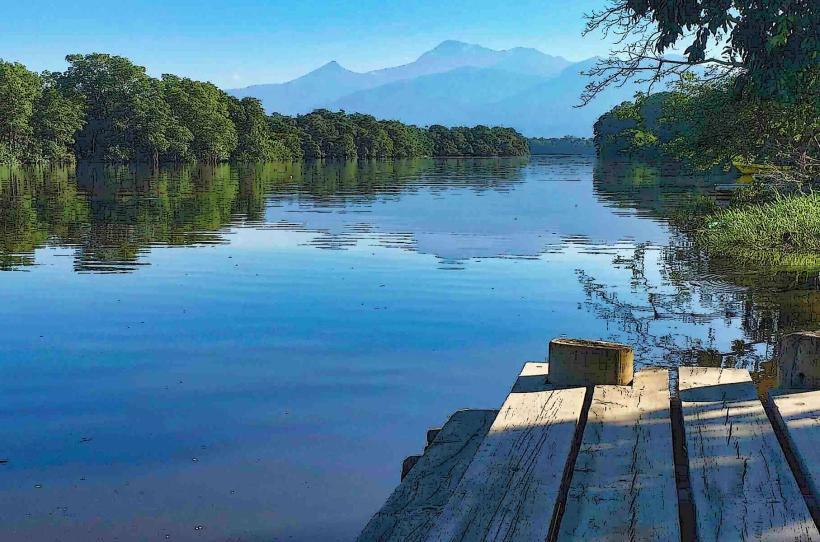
569 467
686 502
796 466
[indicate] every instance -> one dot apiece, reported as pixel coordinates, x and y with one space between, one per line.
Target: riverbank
789 224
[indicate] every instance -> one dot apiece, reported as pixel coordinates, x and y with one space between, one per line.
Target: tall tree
255 138
126 117
56 121
203 109
19 91
766 45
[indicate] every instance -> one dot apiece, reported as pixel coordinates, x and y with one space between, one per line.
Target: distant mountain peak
332 66
453 47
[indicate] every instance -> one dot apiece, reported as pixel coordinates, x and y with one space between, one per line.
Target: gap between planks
742 486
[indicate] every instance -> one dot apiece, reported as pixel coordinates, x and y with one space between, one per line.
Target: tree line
711 124
104 108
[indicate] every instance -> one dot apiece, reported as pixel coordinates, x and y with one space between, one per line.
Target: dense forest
104 108
706 125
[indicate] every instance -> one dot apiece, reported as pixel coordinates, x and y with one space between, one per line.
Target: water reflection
113 215
296 328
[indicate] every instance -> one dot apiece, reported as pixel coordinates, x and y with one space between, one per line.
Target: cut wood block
623 484
510 489
798 361
576 362
798 414
409 512
742 486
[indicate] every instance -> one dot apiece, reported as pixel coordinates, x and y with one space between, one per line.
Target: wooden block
510 489
576 362
742 486
409 512
798 414
623 484
798 361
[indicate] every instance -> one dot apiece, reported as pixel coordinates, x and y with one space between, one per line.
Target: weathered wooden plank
623 484
409 512
533 377
742 486
510 488
798 413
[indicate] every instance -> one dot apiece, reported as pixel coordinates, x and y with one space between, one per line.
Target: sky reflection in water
250 352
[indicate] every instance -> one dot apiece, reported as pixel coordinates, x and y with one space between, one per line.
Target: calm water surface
248 353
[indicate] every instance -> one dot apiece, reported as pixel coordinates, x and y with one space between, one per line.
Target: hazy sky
244 42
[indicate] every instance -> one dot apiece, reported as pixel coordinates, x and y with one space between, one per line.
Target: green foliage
637 129
256 141
709 124
20 90
787 224
104 108
719 125
477 141
203 110
56 121
768 45
126 117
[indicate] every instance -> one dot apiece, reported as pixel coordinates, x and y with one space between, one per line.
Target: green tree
126 117
19 91
204 110
255 137
56 121
767 45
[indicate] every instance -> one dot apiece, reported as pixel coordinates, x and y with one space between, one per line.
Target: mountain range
454 84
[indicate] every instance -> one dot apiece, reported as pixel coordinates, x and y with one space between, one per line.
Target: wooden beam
623 484
510 489
742 486
411 509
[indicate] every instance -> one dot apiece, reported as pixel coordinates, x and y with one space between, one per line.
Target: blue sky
245 42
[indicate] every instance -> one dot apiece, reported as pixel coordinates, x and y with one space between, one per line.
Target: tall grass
788 225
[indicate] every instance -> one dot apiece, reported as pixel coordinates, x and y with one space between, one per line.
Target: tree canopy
104 108
767 46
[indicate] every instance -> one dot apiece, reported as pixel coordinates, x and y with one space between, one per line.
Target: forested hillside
104 108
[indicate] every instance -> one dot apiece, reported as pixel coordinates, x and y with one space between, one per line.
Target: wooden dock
629 461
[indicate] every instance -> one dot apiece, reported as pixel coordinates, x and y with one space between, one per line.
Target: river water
248 353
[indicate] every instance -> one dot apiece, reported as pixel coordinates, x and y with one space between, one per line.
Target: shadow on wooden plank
742 486
510 489
623 486
412 508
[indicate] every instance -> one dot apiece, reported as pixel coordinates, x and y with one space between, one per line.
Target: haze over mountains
454 84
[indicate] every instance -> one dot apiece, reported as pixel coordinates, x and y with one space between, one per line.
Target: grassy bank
789 226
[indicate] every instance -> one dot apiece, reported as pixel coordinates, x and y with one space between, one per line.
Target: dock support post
576 362
798 361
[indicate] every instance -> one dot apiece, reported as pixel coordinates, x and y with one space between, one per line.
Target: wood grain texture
578 362
409 512
798 413
742 486
623 484
510 488
798 361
